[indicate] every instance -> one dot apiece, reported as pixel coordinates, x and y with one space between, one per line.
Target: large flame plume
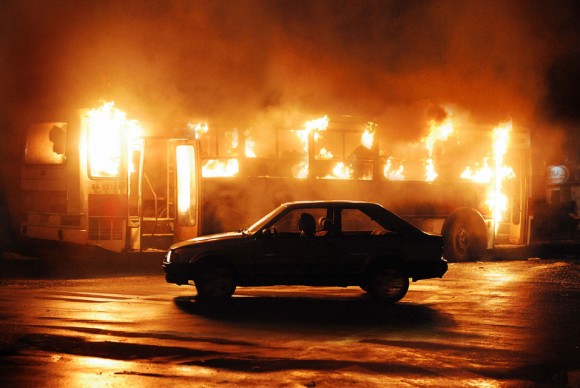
109 131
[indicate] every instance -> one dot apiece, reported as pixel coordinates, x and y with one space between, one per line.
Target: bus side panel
107 221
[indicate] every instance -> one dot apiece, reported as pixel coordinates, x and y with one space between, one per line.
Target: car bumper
177 273
428 269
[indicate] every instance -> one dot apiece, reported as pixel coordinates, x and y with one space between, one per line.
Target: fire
108 130
213 168
393 174
302 170
496 174
438 132
249 148
491 170
228 166
342 171
317 125
483 174
430 173
368 136
324 154
313 127
199 129
497 200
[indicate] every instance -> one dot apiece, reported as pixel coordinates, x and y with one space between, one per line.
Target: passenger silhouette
307 225
326 227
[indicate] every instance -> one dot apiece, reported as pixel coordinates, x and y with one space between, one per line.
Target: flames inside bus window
46 144
105 144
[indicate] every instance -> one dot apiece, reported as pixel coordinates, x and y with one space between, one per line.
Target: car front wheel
215 282
387 284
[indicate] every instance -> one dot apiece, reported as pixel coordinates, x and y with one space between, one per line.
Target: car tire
215 282
387 284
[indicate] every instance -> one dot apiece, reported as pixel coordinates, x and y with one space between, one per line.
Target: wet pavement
495 323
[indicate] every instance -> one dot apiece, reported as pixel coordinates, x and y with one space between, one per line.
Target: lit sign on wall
556 175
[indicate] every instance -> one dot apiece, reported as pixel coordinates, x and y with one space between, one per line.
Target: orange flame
249 149
341 171
108 132
438 132
199 129
324 154
393 174
497 200
228 166
430 173
483 174
368 135
496 174
315 127
213 168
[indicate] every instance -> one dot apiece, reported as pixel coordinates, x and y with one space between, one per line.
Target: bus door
184 168
514 229
163 194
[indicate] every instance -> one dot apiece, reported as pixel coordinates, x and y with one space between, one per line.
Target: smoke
251 63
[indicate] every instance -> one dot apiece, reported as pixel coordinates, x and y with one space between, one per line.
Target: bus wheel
464 235
215 282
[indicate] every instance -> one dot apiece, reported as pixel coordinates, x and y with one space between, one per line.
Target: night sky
246 63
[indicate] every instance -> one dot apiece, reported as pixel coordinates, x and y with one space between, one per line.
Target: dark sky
246 62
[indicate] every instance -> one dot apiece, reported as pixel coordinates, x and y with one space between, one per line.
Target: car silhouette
313 243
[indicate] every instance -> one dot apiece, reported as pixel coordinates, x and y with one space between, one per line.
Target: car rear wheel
215 282
387 284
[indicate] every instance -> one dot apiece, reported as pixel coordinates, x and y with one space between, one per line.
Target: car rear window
354 220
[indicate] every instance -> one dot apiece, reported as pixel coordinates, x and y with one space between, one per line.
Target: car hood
208 238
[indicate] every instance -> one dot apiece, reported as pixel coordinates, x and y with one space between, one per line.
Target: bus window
46 144
105 153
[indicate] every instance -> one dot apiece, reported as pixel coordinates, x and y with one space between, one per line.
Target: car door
361 239
285 254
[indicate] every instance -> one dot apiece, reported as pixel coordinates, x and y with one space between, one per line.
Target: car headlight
171 256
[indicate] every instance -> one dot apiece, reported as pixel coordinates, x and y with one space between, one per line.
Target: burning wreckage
102 180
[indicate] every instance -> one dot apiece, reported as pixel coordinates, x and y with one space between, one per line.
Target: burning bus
477 199
100 179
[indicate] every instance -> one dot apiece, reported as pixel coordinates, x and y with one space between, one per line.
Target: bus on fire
103 180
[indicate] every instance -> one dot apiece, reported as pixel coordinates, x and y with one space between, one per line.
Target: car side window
354 221
288 224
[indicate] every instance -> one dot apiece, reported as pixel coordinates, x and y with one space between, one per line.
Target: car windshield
264 220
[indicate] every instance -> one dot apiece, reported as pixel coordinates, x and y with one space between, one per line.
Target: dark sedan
314 243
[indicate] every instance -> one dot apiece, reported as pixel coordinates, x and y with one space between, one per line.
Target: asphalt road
485 324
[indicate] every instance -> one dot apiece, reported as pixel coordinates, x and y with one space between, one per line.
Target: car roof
330 203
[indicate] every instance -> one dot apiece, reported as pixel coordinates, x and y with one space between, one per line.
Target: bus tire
464 235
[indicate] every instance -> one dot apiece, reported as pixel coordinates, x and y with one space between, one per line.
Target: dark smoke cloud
251 62
277 63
